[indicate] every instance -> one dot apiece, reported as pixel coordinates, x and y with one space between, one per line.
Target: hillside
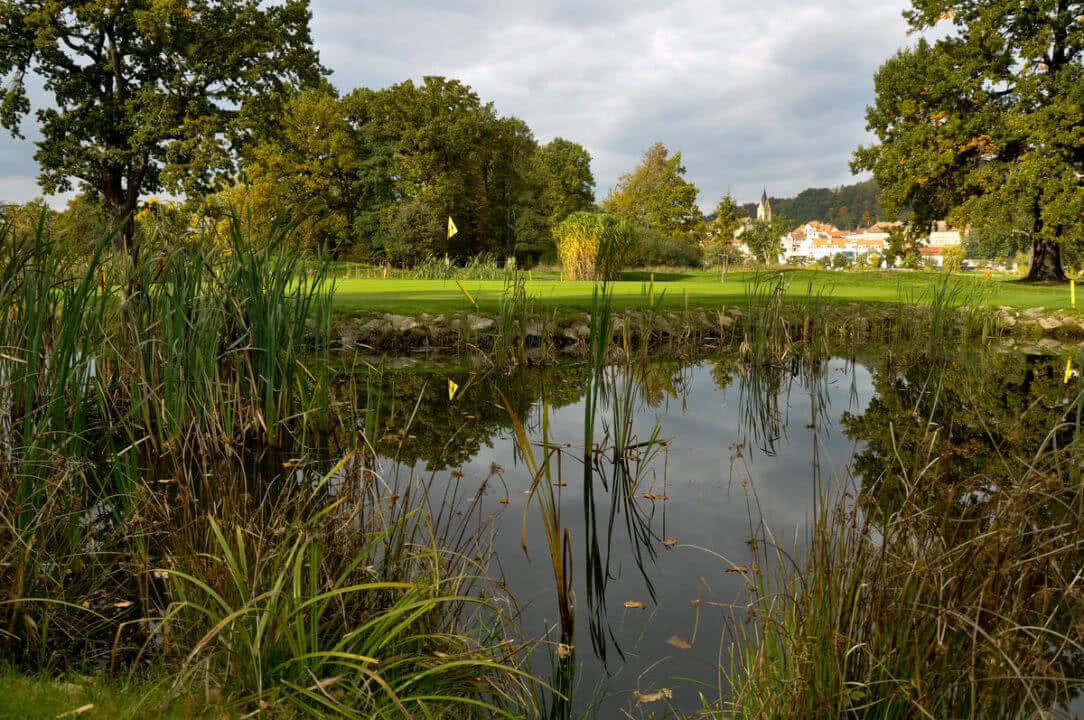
848 207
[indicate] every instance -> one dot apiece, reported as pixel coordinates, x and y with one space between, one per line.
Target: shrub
651 247
953 257
483 266
723 253
413 233
582 235
874 260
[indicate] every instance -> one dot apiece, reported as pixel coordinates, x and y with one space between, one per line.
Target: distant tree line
848 207
379 172
226 104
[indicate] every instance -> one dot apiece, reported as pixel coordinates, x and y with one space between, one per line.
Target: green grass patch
44 697
698 288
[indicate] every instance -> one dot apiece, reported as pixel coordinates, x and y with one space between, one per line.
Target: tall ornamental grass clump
583 235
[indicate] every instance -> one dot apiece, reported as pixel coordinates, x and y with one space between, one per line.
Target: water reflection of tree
976 418
984 454
660 381
418 423
764 395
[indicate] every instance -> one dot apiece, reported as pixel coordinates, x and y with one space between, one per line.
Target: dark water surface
709 481
738 446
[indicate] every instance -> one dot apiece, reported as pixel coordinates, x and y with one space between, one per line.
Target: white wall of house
945 238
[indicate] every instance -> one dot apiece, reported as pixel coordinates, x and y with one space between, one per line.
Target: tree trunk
122 209
1045 261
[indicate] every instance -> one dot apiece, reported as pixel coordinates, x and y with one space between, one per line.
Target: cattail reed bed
132 536
190 487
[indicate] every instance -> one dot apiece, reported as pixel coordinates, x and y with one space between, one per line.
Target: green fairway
700 289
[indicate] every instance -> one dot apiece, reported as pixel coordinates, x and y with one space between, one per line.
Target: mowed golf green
697 289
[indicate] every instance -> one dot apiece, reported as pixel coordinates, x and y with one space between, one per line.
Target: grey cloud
769 93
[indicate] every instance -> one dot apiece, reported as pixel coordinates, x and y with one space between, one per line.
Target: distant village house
817 241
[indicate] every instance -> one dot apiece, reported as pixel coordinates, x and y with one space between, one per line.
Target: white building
818 241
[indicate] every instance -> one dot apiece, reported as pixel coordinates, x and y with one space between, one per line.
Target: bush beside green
651 248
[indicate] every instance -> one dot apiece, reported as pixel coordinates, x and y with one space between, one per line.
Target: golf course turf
697 288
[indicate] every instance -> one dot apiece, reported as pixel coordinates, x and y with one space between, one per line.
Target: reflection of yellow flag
452 229
452 387
1068 369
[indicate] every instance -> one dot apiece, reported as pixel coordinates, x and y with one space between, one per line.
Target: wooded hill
848 207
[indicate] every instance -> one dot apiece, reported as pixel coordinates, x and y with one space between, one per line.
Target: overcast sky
761 93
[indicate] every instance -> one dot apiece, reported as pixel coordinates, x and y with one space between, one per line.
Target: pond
713 450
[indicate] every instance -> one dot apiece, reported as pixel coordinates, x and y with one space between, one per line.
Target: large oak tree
987 123
148 94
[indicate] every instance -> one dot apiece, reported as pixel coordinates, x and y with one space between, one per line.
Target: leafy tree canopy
765 239
568 184
985 124
148 94
656 194
326 162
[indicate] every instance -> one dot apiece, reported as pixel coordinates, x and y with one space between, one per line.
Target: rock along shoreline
545 336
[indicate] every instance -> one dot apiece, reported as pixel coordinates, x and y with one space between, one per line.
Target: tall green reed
97 386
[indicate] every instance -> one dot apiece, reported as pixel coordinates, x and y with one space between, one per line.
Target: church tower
764 209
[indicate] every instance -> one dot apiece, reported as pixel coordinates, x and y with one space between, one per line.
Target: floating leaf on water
738 568
695 603
564 651
664 694
560 484
670 542
504 501
653 496
678 642
635 604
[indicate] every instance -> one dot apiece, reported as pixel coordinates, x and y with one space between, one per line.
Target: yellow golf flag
1068 369
452 229
452 387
